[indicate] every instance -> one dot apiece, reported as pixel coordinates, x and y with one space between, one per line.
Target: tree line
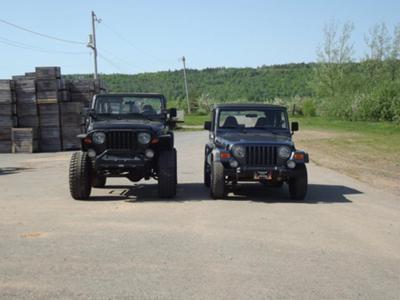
336 85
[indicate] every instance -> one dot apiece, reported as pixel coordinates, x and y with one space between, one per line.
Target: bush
309 108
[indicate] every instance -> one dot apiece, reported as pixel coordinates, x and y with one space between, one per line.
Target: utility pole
92 42
186 84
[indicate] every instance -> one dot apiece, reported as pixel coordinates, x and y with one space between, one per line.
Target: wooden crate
48 72
64 96
50 139
49 115
85 98
24 140
70 141
7 121
25 86
25 98
82 86
30 75
28 121
7 109
7 96
50 84
5 133
5 146
7 85
27 109
47 96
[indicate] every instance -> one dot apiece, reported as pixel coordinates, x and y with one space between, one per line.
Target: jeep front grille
121 140
261 155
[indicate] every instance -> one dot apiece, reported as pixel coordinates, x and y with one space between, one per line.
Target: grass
196 120
377 135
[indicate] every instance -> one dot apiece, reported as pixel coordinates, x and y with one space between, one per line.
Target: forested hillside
220 84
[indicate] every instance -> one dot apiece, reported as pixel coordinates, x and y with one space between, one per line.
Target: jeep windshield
253 119
122 107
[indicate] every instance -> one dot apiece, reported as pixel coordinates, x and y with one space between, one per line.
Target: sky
146 36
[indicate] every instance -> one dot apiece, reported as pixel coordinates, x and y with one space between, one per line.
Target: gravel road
342 242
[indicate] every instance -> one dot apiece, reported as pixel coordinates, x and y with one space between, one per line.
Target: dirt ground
350 153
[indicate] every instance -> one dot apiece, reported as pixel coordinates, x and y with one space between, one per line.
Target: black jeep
127 135
253 142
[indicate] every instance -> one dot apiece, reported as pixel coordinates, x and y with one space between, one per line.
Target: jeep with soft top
253 142
127 135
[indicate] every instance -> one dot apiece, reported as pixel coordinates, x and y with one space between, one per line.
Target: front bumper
119 159
260 173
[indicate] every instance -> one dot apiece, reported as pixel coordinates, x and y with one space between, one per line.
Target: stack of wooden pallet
48 109
71 124
7 114
48 84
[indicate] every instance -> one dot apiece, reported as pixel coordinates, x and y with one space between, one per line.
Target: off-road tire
99 181
80 176
217 180
167 174
298 185
207 177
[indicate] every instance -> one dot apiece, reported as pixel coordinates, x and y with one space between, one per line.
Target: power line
121 59
109 61
34 48
122 38
41 34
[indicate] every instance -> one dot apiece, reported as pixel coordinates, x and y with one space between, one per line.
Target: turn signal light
87 140
225 155
155 141
298 156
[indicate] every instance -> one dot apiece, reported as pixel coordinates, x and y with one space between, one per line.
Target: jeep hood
126 124
248 137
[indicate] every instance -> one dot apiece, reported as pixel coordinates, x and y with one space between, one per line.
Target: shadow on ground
317 193
12 170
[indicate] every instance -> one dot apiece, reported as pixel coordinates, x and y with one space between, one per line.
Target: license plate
263 176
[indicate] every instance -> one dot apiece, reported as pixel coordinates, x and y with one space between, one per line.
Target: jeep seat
230 122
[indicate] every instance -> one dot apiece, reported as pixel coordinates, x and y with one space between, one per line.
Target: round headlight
144 138
284 152
99 137
239 151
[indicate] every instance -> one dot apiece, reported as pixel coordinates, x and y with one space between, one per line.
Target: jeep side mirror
295 126
173 113
207 125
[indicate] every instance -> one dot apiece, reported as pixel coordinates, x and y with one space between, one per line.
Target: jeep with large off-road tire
253 142
127 135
